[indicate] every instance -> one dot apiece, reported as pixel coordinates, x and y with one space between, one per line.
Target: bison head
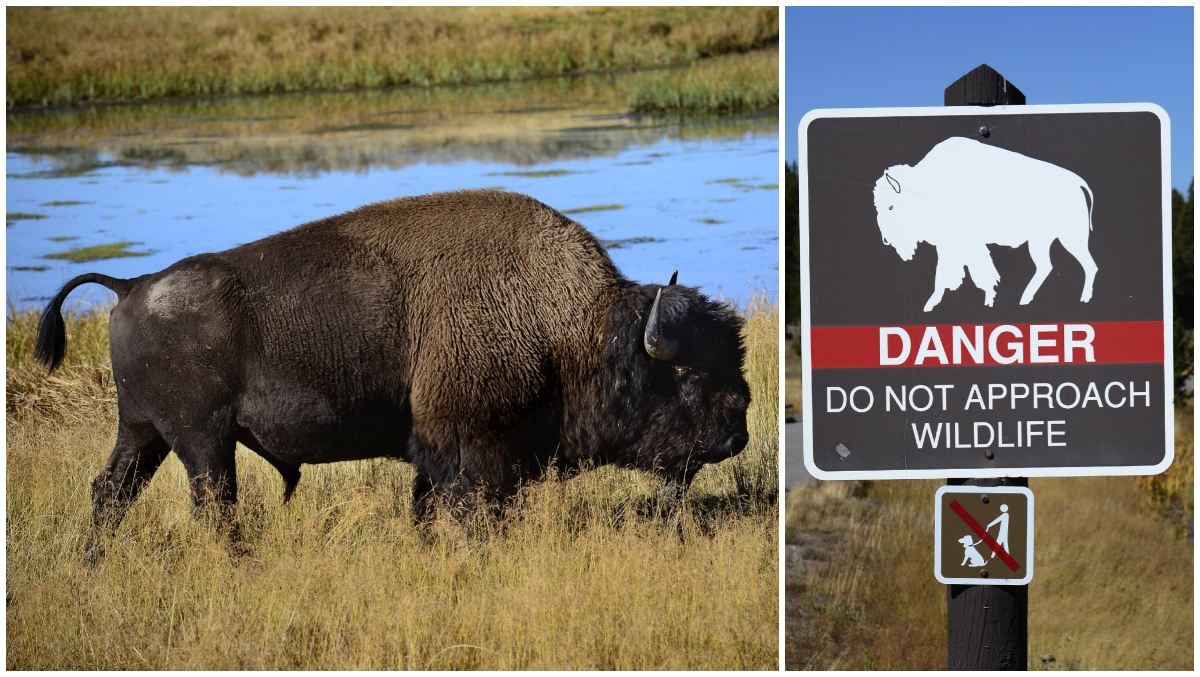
675 394
896 223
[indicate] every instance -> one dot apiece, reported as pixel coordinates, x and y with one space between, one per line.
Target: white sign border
805 287
937 535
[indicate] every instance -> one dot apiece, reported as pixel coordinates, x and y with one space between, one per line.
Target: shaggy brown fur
478 334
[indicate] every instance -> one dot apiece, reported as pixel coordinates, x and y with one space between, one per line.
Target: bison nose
737 443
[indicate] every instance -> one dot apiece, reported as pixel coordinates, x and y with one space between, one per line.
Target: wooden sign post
987 626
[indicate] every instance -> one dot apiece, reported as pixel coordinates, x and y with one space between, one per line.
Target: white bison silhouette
964 195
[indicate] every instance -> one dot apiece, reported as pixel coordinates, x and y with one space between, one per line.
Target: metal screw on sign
984 132
984 498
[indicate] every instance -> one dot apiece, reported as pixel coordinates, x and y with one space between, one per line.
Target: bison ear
657 344
674 276
895 183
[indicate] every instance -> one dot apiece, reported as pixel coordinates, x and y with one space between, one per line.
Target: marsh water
127 190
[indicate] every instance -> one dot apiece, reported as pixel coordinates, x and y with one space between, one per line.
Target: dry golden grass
793 383
79 54
1112 589
865 597
1173 492
588 573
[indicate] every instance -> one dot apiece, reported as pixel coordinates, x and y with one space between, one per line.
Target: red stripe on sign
983 534
986 344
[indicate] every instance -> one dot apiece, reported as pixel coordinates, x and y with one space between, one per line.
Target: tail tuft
51 337
51 342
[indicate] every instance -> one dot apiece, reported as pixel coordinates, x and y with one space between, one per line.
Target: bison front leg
1040 252
949 276
424 504
984 274
467 476
135 458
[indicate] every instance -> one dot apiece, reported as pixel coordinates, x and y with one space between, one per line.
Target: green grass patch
23 216
621 244
542 174
745 187
63 203
84 169
712 222
99 252
593 208
63 238
32 269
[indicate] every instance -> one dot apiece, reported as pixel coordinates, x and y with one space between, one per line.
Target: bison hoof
92 553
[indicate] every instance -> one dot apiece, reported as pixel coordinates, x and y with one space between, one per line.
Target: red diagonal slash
982 533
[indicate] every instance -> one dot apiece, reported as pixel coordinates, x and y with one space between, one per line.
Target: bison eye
890 207
694 378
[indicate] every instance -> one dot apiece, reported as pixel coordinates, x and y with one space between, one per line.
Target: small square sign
983 535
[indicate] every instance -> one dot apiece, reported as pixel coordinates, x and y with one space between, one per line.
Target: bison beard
479 335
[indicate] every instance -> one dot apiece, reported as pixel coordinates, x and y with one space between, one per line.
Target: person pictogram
1002 536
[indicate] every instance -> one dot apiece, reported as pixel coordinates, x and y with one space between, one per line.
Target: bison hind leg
1078 247
138 453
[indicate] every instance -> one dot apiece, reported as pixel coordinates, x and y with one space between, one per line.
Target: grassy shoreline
58 56
585 573
295 133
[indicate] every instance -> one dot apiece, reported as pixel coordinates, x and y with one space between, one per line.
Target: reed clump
736 84
59 56
598 572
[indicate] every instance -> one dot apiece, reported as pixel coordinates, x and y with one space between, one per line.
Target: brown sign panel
983 535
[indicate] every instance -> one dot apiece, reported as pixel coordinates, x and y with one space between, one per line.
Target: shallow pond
134 189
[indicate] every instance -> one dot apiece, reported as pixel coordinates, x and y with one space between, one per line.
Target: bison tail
52 333
1091 202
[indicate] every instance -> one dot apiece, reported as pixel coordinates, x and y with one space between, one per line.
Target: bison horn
895 183
658 346
674 276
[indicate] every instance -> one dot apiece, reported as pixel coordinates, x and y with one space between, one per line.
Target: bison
480 335
964 195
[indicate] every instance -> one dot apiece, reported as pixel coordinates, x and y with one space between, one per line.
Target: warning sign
986 291
983 535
